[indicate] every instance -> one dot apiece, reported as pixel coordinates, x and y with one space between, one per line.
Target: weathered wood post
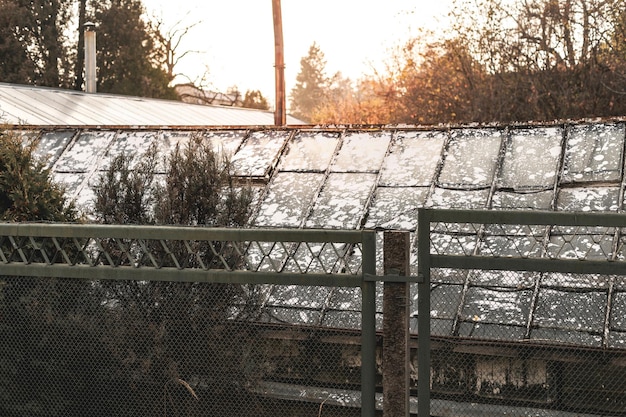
396 301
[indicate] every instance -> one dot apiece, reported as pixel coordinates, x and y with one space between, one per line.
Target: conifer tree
311 84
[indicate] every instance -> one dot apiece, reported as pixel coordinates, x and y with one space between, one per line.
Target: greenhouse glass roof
377 178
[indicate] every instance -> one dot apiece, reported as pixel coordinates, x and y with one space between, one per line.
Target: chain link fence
526 316
132 321
527 313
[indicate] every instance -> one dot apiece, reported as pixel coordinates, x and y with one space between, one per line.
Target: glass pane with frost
539 200
531 158
70 182
362 152
84 151
396 208
588 199
341 203
51 144
309 151
412 159
258 153
289 199
594 153
470 159
458 199
131 144
224 142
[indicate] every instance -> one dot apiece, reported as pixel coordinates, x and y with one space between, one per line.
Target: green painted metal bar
368 328
178 275
69 230
423 313
527 217
391 278
605 267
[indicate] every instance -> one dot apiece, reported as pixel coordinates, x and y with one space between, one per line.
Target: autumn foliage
499 62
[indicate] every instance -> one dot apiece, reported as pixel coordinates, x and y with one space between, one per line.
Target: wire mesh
129 348
167 343
532 338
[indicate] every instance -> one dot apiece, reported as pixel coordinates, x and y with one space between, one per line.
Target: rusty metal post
280 116
396 301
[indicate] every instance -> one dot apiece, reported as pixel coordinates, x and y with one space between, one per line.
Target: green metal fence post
423 313
368 327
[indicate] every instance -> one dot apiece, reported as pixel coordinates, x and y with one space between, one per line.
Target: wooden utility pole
396 350
280 118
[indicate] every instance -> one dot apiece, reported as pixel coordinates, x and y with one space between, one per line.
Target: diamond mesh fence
527 315
261 339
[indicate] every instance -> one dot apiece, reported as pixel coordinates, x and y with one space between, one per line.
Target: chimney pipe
90 57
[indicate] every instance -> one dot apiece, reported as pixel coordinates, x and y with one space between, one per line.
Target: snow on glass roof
377 178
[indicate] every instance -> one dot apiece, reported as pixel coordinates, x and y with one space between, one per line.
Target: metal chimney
90 57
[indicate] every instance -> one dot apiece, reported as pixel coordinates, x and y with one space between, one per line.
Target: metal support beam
368 328
423 315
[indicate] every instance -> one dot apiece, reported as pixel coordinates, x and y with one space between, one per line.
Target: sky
235 38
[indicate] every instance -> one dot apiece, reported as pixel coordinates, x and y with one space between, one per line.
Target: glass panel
470 159
362 152
541 200
505 279
500 332
594 153
51 144
453 244
289 199
396 208
341 203
569 310
531 158
588 199
582 281
583 246
171 138
84 151
445 300
412 159
129 143
461 199
225 142
510 307
259 153
618 313
310 151
511 246
71 183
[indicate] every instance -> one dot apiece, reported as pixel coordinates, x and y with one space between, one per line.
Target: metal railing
192 321
172 281
524 311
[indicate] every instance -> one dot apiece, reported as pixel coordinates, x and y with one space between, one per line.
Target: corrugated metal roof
41 106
